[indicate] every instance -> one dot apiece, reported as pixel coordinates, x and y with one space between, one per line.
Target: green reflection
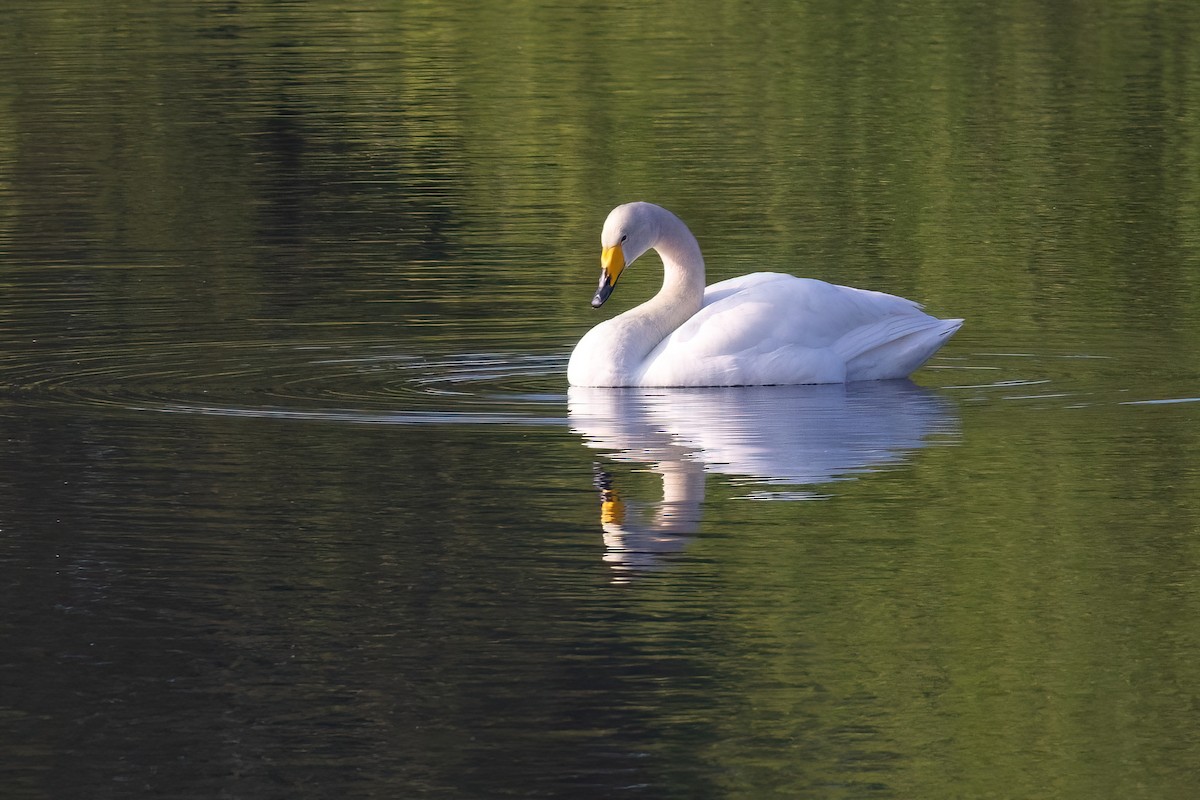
293 205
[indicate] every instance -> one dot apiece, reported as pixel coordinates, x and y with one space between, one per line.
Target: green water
294 501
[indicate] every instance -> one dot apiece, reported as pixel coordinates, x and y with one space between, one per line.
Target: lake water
295 501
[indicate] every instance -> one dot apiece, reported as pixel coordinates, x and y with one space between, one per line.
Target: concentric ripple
358 382
377 381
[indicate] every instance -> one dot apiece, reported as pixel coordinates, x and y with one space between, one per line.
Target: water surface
296 502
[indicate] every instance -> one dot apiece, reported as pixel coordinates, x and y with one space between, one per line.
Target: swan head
629 231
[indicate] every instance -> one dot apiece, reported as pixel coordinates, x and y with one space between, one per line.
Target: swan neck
683 267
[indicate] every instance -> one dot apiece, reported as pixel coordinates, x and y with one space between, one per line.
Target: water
295 501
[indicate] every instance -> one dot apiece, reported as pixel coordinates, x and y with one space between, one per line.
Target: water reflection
768 437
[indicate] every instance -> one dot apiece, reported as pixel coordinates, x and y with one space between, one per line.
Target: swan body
759 329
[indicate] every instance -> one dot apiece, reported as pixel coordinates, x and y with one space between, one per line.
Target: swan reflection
767 437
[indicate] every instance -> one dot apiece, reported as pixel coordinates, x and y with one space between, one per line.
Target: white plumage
759 329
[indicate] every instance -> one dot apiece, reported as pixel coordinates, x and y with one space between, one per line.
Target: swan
759 329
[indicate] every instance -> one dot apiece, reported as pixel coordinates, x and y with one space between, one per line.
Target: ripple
357 382
1006 384
361 417
1062 380
1164 402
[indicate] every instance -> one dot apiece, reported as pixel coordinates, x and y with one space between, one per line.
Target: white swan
760 329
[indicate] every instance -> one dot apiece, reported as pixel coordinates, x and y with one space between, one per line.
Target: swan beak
612 512
612 261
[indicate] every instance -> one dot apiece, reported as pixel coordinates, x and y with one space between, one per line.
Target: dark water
295 501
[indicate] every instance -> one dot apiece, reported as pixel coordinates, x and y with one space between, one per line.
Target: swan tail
894 347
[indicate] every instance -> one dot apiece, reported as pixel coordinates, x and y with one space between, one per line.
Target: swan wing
769 328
